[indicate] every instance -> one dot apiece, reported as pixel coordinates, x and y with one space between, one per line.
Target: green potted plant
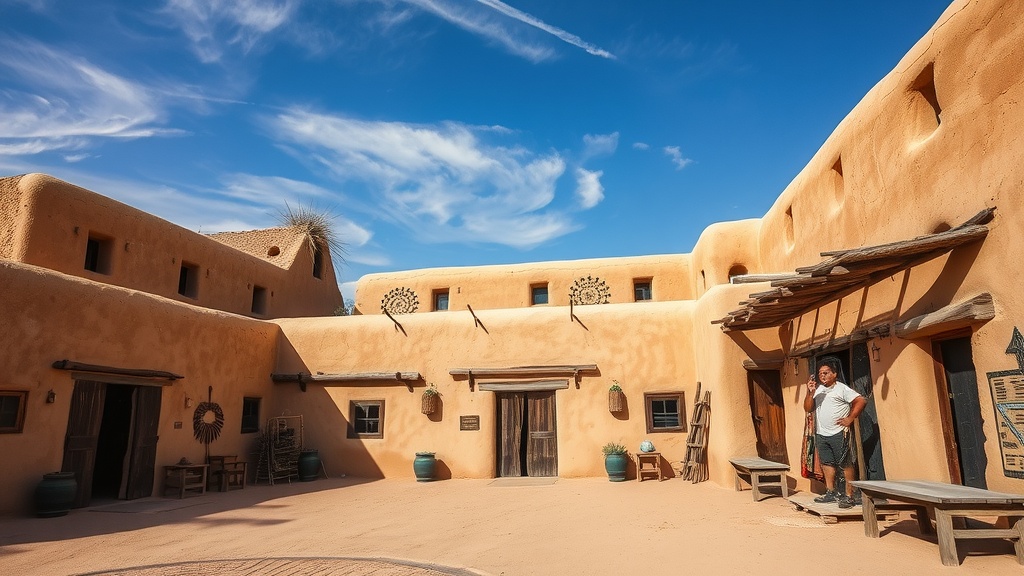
430 399
616 398
615 458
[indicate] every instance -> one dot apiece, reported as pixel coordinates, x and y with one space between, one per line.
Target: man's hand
812 385
846 422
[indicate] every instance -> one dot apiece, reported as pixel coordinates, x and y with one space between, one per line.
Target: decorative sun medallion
400 301
589 290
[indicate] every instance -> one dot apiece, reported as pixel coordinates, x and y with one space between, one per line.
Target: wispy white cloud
556 32
440 181
588 187
213 25
72 158
61 101
641 146
600 144
676 156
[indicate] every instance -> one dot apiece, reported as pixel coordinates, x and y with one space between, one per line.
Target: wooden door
83 433
961 385
768 413
871 466
542 444
145 425
510 433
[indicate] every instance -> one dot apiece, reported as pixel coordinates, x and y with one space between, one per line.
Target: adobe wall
147 252
645 347
49 316
508 286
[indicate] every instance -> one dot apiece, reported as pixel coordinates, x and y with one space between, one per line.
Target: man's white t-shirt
831 404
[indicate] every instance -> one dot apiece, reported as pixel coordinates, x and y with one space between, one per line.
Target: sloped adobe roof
278 246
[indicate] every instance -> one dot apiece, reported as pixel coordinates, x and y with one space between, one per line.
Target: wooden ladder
695 467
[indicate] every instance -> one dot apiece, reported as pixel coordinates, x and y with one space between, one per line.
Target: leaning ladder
695 467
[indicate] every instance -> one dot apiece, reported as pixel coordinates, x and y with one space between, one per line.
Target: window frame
352 419
446 292
19 415
534 291
254 420
651 397
649 283
189 285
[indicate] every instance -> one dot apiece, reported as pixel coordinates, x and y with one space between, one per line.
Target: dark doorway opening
962 422
112 449
527 443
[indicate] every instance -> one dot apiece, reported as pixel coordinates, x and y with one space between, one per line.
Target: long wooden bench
949 501
757 469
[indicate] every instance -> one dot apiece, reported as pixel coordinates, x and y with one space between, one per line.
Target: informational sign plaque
1008 399
469 422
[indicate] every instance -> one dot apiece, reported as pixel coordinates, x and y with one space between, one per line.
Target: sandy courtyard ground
569 526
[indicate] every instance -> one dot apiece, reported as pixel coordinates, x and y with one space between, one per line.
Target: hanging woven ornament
208 421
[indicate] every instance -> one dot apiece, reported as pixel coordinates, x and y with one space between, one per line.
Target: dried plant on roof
317 225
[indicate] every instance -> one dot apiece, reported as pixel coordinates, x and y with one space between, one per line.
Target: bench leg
923 522
870 517
755 485
947 542
1017 523
784 484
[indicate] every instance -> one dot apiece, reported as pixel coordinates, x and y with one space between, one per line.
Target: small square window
188 280
539 294
12 411
250 415
664 412
642 290
318 263
98 251
440 300
366 419
259 300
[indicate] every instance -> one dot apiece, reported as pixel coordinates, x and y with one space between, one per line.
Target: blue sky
442 132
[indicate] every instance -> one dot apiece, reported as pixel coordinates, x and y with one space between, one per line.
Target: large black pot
55 494
309 465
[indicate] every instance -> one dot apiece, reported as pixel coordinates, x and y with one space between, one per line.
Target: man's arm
812 385
856 407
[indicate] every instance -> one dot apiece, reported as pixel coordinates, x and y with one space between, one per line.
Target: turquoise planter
55 494
309 465
615 466
424 466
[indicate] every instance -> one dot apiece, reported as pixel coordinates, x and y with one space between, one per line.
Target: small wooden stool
757 469
648 464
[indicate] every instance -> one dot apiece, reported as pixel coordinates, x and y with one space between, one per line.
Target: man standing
836 406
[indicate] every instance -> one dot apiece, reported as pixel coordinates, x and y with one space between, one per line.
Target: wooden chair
227 473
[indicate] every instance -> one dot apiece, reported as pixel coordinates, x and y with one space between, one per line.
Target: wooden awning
568 370
354 378
128 375
843 273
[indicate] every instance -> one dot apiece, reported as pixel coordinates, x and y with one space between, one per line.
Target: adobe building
890 251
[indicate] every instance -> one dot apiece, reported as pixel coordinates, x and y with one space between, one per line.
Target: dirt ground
488 527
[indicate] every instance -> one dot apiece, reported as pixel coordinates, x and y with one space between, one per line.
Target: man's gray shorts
834 450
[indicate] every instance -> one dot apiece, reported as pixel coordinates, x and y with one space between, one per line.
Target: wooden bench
757 469
948 501
648 464
227 473
184 478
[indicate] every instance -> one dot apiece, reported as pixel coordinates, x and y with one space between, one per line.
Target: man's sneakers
842 500
827 497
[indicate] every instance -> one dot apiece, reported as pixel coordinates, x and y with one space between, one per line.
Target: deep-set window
250 415
642 290
441 300
318 263
664 411
259 300
98 252
188 280
12 411
366 419
539 294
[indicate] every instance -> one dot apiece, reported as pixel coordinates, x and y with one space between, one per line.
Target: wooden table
185 477
648 464
757 469
949 501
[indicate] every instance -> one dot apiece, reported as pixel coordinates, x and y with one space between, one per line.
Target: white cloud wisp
588 188
676 155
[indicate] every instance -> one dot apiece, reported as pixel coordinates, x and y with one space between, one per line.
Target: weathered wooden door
542 445
82 435
873 466
961 383
510 433
768 413
145 425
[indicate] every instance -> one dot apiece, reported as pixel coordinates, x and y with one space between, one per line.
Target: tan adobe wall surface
9 209
49 316
146 253
508 286
644 347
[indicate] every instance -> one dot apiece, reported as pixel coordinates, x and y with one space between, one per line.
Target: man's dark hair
831 362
